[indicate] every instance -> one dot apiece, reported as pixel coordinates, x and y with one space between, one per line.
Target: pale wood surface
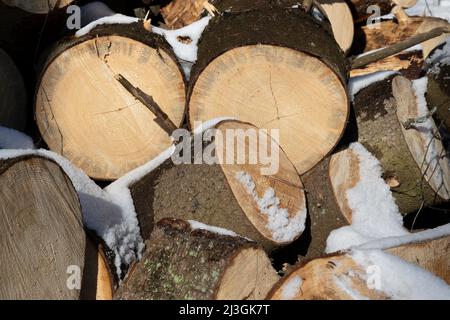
285 182
275 87
42 232
435 172
85 114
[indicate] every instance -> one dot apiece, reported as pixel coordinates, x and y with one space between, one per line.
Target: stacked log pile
343 108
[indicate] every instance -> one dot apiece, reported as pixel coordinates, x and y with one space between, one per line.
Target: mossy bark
381 133
197 192
323 208
181 264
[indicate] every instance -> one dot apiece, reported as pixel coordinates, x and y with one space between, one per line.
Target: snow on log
86 115
312 116
412 271
38 6
409 157
184 262
269 209
44 238
13 95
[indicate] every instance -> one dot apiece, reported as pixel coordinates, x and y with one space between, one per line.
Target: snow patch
401 280
13 139
284 229
344 283
186 52
195 225
291 288
375 214
114 19
356 84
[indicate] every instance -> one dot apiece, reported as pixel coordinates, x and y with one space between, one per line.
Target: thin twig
162 119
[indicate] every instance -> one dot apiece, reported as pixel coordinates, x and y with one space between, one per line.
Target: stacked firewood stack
362 113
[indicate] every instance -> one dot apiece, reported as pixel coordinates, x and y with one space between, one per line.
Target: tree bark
38 6
182 262
438 94
216 195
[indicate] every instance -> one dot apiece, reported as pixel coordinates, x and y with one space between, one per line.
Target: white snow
356 84
440 56
439 9
284 228
115 19
345 284
195 225
401 280
13 139
291 288
102 213
393 242
186 52
375 214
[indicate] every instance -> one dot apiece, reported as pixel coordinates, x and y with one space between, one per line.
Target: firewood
340 277
417 178
38 6
223 194
44 243
179 13
438 94
13 96
269 75
87 115
184 262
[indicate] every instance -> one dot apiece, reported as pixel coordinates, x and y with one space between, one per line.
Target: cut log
274 72
269 209
38 6
438 94
415 179
340 277
184 262
86 115
13 95
45 252
361 12
391 32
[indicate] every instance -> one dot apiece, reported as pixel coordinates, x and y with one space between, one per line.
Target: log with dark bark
184 262
229 196
84 112
13 95
179 13
340 277
417 178
301 86
43 237
438 94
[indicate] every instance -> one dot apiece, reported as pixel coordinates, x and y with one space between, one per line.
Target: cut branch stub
86 115
269 209
184 262
44 242
289 75
13 104
38 6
